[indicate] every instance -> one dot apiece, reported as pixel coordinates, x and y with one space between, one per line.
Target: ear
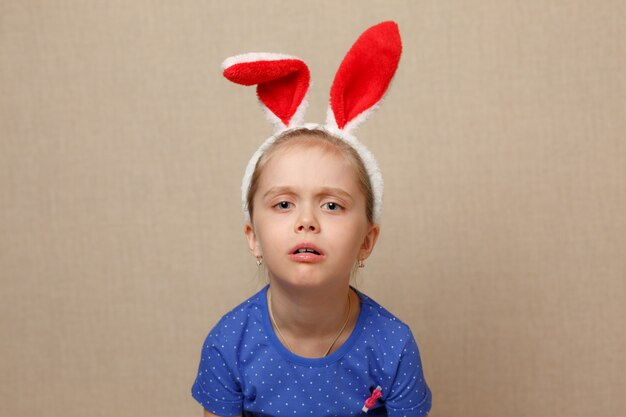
282 84
369 242
253 242
364 75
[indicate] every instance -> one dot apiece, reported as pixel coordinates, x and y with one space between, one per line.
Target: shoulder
251 306
386 335
241 319
381 320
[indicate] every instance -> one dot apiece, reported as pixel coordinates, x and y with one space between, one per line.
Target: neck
310 319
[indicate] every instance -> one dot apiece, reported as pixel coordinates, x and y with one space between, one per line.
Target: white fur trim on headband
353 124
254 56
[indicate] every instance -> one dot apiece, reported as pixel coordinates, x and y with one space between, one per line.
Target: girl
309 344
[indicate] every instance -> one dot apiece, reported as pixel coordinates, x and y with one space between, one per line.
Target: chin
305 281
311 280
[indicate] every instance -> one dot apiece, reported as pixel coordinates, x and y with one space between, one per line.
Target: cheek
350 238
268 234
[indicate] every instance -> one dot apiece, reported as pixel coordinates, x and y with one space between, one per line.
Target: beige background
504 229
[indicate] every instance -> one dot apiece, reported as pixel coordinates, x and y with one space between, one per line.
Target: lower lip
306 257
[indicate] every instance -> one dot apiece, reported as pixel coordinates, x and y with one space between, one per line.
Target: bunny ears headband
360 83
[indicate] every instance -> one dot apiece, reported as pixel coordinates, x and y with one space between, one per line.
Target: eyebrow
339 192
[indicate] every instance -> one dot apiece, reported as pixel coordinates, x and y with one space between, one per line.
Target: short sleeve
409 396
217 386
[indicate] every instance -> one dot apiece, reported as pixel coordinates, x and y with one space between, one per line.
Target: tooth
305 250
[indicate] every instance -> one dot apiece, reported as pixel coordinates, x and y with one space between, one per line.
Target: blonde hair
326 142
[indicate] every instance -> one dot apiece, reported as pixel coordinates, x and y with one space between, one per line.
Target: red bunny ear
282 82
365 74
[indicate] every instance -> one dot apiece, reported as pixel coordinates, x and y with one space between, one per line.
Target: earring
361 263
259 260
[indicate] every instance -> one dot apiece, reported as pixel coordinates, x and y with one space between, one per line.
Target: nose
307 222
306 227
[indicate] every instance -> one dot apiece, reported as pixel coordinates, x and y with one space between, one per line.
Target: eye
284 205
332 206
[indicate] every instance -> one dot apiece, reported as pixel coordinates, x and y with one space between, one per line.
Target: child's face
309 219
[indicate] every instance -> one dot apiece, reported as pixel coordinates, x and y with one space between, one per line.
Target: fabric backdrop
503 236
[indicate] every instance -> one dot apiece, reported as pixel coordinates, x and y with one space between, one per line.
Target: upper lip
308 246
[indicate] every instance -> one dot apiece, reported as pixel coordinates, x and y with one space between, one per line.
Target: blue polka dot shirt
245 370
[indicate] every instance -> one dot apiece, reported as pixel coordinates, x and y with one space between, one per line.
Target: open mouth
305 250
307 253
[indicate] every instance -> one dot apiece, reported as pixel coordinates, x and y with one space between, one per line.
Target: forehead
306 165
